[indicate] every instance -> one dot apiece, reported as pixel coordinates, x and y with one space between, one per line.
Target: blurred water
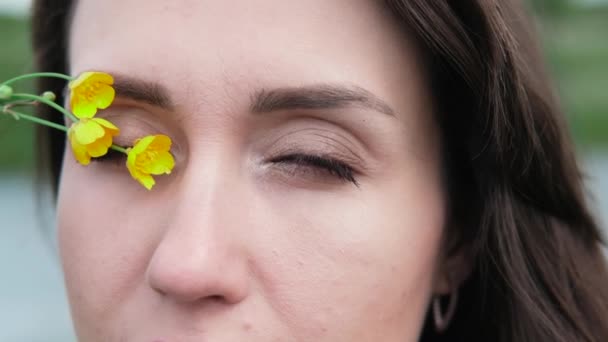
33 305
32 295
15 7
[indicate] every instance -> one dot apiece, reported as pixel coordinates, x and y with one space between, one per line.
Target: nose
201 256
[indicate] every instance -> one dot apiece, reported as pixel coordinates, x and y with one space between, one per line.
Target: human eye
316 165
112 158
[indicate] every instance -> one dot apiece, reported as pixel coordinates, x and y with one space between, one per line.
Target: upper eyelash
334 166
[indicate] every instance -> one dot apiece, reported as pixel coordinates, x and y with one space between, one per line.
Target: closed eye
331 166
113 158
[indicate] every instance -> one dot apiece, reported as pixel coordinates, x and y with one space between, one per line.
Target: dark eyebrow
141 90
324 96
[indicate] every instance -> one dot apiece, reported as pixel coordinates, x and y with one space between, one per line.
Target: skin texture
233 246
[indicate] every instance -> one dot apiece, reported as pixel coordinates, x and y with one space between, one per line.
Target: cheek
362 266
103 250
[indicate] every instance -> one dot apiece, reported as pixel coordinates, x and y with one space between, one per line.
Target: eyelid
351 161
321 163
323 145
134 123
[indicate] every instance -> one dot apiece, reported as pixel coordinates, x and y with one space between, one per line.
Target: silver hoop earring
443 321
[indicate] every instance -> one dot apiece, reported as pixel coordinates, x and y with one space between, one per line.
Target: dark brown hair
516 193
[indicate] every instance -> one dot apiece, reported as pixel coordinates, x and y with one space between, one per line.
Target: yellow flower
90 91
91 138
150 156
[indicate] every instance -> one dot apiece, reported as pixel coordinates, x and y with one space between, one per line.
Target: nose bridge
208 183
201 253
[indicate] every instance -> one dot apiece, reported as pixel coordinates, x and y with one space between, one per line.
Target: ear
452 269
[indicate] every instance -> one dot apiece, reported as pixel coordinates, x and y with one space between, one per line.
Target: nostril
196 280
196 262
217 298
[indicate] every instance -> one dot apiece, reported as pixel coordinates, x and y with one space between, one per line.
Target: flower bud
49 95
5 92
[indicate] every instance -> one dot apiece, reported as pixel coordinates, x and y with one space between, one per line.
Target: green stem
36 120
48 103
53 125
119 149
37 74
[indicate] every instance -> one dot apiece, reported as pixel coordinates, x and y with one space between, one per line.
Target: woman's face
246 241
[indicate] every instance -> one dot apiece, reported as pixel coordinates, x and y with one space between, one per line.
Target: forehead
243 43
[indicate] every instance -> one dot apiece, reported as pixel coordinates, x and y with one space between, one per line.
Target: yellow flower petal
91 138
147 181
84 108
78 81
100 147
163 164
104 97
142 144
106 124
160 143
101 77
150 156
91 76
80 151
87 131
91 91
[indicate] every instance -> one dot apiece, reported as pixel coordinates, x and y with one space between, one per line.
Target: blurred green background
16 138
575 37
